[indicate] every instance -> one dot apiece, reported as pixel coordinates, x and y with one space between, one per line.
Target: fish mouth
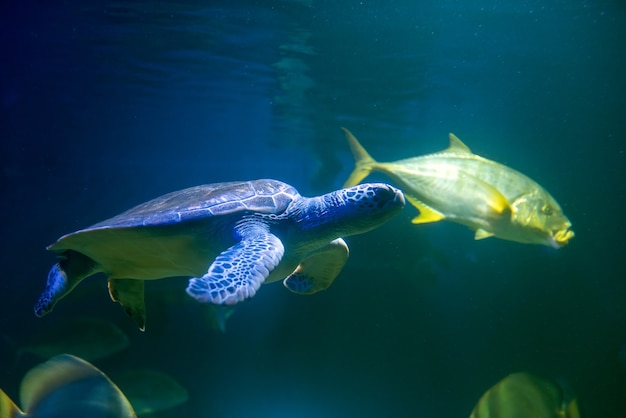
562 236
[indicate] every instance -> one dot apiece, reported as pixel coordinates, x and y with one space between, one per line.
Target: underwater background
108 104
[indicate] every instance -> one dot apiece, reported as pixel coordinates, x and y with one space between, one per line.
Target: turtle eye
546 209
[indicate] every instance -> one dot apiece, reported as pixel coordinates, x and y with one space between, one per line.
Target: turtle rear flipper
238 272
318 271
63 277
130 294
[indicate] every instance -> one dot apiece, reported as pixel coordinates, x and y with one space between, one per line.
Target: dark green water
105 105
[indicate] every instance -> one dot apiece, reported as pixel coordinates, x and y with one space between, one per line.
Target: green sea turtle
228 237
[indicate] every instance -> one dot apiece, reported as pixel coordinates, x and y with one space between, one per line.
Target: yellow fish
522 395
460 186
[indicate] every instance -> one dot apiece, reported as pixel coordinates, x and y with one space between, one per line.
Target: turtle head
354 210
62 278
369 205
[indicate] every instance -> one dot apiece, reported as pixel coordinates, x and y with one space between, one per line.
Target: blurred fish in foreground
522 395
67 387
150 391
88 338
456 185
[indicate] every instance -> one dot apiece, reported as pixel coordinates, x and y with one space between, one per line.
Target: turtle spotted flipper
72 268
318 270
130 294
239 271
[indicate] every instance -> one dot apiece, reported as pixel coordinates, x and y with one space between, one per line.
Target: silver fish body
488 197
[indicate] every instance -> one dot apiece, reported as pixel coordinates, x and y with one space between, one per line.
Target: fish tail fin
363 162
8 409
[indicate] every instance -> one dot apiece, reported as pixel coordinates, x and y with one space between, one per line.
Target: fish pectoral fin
482 234
427 214
499 203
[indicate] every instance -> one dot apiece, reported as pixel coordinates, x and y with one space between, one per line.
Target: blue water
107 104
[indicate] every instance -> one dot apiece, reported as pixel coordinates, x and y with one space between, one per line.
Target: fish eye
546 209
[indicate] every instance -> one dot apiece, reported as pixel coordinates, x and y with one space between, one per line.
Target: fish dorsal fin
456 145
427 214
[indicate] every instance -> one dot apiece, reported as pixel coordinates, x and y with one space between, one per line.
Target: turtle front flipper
238 272
72 268
130 294
319 270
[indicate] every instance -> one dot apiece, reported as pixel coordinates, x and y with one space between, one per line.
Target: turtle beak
399 198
